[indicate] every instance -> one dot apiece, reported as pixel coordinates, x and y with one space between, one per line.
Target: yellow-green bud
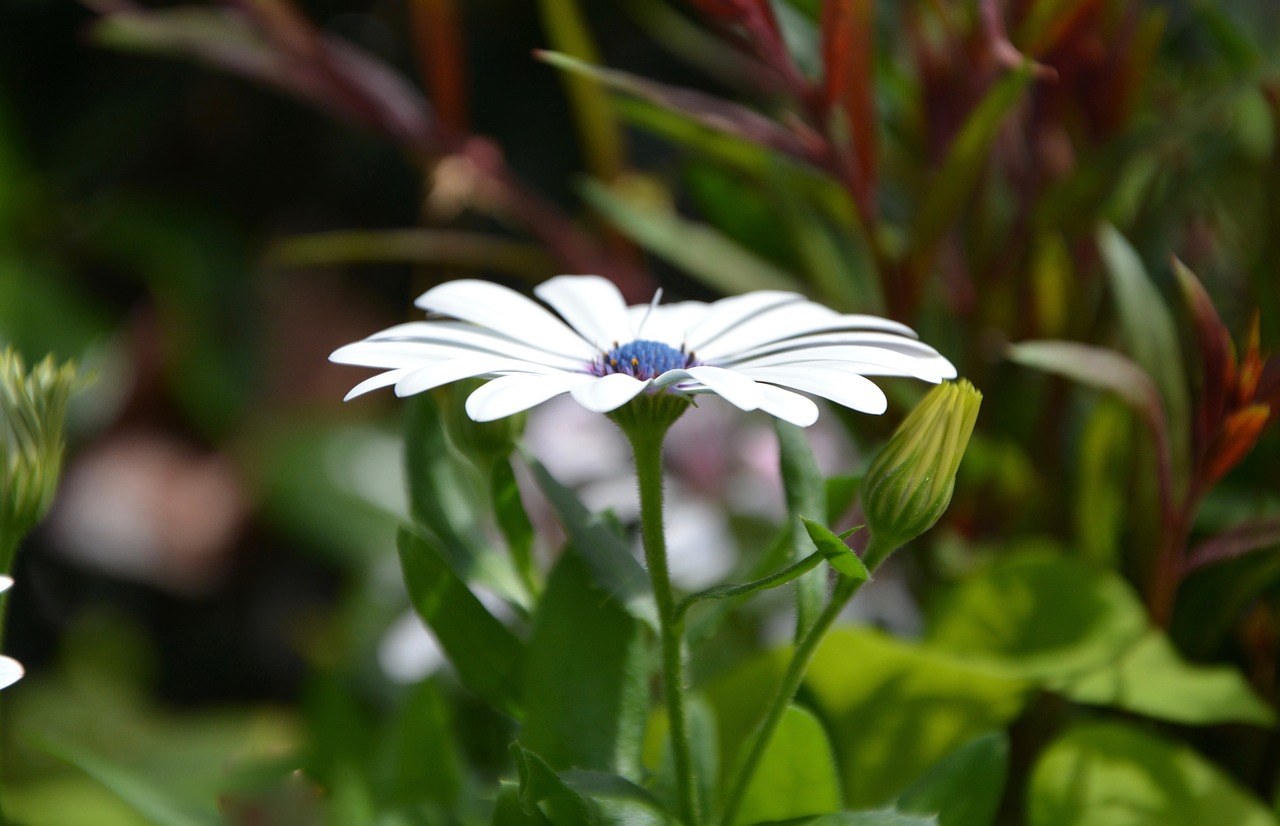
909 484
33 406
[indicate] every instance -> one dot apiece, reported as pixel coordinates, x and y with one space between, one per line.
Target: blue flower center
643 359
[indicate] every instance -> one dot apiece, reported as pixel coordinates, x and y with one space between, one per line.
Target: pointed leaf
839 555
1240 540
965 787
542 791
606 554
486 655
696 248
1151 336
586 673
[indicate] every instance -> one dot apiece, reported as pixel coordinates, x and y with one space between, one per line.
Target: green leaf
542 791
874 692
703 744
965 787
422 760
1153 679
1113 775
618 801
875 817
1038 615
699 250
796 776
586 673
156 803
1151 337
486 655
1101 500
508 810
805 493
512 519
839 555
444 500
592 537
950 186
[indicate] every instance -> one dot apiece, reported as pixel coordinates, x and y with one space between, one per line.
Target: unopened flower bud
33 407
909 484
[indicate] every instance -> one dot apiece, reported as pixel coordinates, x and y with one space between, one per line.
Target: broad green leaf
445 501
1114 775
893 709
806 493
154 802
839 555
1152 679
965 787
950 186
695 248
592 537
873 817
581 798
586 677
1038 615
1151 337
796 776
486 655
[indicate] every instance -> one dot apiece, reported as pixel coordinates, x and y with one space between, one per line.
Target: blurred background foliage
200 202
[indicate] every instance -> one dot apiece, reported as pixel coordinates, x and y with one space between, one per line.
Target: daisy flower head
759 351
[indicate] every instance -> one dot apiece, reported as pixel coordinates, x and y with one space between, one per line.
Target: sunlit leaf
796 776
1114 775
586 677
1152 679
487 656
1037 615
839 555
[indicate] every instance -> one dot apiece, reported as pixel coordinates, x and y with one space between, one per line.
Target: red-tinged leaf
1239 433
271 48
716 113
754 24
848 92
1217 361
1240 540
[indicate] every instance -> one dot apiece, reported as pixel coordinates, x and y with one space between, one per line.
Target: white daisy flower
754 350
10 669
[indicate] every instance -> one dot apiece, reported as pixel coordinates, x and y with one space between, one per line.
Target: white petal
378 382
789 321
735 388
508 395
788 406
864 360
388 355
435 375
608 392
889 341
591 305
728 313
462 335
6 582
507 312
10 671
840 386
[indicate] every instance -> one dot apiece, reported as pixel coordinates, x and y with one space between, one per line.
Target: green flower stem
774 580
845 588
646 444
